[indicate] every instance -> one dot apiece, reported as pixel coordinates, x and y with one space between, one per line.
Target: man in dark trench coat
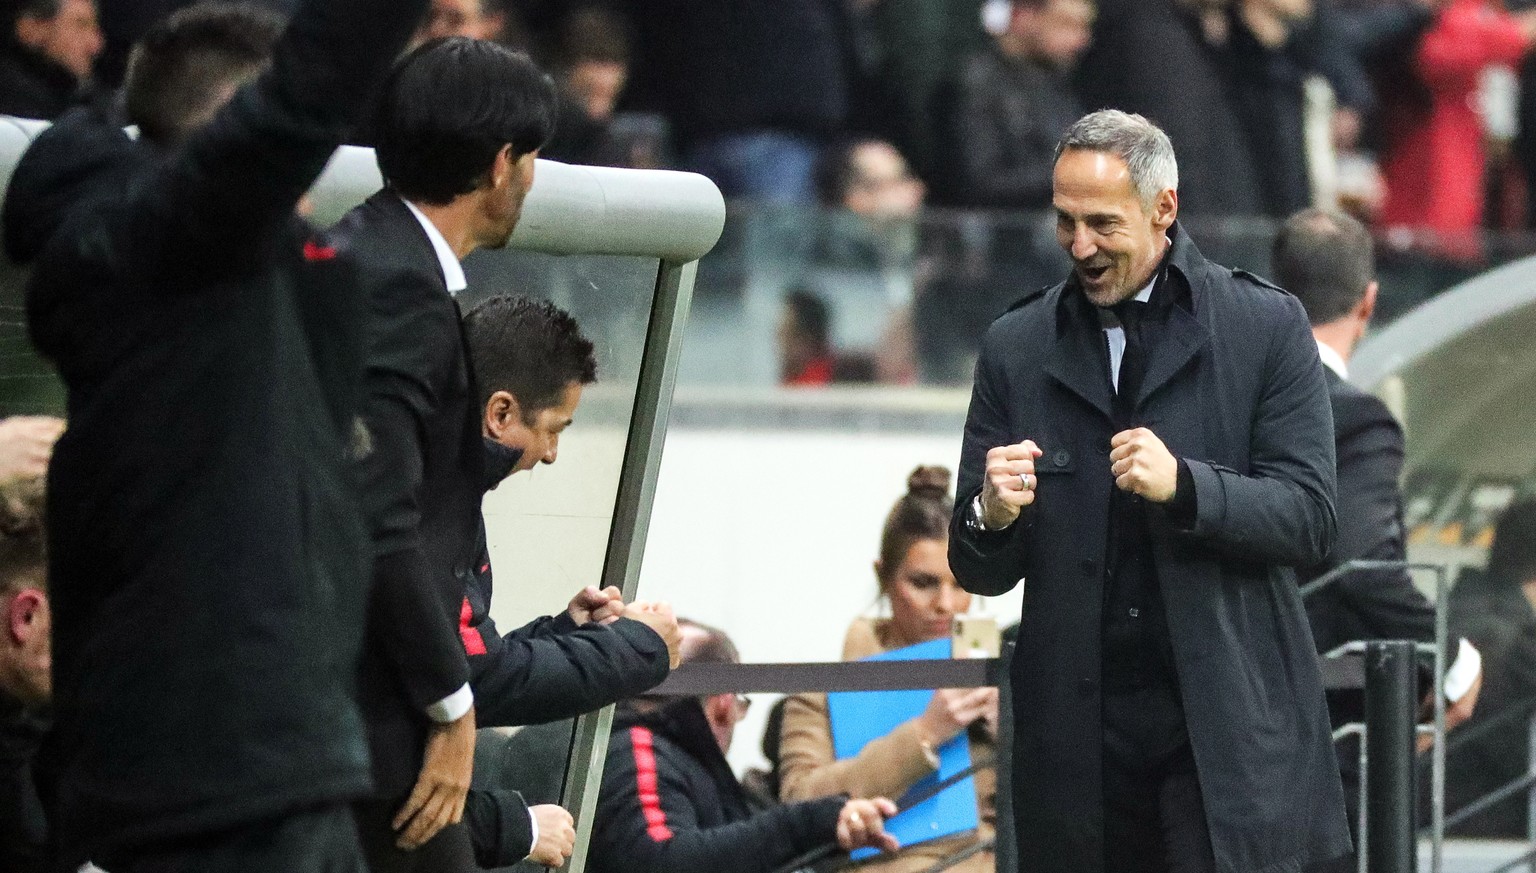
1149 448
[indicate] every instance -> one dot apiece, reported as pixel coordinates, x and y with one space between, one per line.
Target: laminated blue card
861 716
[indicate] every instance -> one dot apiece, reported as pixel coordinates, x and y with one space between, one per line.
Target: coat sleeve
1370 528
411 604
1282 511
808 767
208 211
500 828
535 674
648 822
987 563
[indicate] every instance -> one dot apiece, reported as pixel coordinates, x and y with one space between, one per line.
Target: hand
557 836
591 605
659 618
1526 19
26 445
1003 491
437 801
952 710
861 824
1456 714
1143 465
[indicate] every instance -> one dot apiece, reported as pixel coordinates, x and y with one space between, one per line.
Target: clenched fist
1009 484
1142 465
557 836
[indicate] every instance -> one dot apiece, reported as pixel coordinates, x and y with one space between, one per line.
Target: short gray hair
1146 150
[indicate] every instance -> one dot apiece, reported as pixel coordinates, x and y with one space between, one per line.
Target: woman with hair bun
913 575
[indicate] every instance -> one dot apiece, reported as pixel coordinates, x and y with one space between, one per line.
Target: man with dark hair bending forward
207 559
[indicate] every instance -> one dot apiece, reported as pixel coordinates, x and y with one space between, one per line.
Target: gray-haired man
1149 443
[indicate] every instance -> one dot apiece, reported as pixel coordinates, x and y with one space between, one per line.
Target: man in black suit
458 130
1149 445
1325 258
207 557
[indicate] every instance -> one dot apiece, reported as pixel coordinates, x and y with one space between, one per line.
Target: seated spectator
805 344
876 200
46 53
914 575
26 683
591 70
1434 159
1014 100
670 803
1496 610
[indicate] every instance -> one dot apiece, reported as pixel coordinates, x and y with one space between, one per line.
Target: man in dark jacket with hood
207 559
670 803
1149 444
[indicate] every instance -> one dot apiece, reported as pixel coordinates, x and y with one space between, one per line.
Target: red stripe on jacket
474 644
645 778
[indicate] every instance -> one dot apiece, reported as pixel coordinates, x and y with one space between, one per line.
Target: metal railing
1388 798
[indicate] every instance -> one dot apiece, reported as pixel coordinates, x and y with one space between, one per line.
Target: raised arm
212 207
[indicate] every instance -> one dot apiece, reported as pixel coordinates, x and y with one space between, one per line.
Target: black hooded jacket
670 803
551 668
207 559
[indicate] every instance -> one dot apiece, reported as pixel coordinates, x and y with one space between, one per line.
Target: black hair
812 318
178 72
838 171
529 348
449 108
1326 259
1512 559
44 10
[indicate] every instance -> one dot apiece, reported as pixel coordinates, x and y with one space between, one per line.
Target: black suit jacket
421 479
1378 604
207 559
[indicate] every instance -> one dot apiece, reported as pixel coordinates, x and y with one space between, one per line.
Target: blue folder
861 716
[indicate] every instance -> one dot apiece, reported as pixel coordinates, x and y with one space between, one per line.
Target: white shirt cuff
1463 672
452 708
533 820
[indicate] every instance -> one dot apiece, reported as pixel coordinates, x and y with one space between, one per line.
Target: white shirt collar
1333 360
453 271
1145 294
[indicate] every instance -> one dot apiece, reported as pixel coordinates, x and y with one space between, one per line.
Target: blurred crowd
1410 112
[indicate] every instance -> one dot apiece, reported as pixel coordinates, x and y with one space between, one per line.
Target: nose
1083 246
950 597
552 453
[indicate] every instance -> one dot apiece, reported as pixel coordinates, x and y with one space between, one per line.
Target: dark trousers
1154 816
448 852
322 840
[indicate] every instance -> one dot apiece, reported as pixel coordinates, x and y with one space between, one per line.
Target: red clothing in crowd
1435 166
817 371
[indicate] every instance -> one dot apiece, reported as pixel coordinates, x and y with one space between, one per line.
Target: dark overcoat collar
1076 358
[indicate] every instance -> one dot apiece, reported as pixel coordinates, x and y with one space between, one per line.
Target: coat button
1135 613
1062 458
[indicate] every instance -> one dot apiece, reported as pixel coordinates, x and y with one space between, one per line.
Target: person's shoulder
1356 411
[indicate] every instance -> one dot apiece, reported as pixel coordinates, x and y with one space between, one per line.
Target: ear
501 412
720 709
502 167
1367 305
1165 209
23 614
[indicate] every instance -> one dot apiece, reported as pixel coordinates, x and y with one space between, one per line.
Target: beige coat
887 767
